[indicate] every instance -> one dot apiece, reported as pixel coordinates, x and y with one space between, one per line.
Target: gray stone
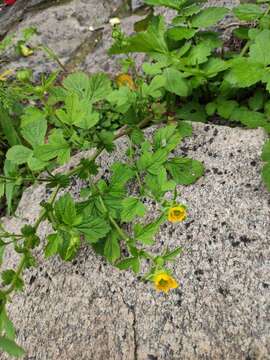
89 310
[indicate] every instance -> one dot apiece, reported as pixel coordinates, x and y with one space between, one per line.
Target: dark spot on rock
152 357
214 229
235 243
223 292
231 155
210 260
206 128
210 154
265 286
210 242
245 240
256 189
253 163
74 262
189 236
198 272
223 223
187 225
207 171
32 279
215 132
211 140
248 185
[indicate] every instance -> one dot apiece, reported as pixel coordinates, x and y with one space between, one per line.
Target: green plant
188 76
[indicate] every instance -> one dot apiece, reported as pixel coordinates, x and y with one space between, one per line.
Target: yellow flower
177 213
5 75
164 282
125 80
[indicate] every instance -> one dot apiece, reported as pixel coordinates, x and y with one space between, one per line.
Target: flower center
163 282
177 212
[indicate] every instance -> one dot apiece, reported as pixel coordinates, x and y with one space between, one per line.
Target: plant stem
245 49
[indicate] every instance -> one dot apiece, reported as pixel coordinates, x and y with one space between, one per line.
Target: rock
89 310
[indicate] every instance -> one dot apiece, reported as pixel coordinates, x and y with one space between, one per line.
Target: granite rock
88 310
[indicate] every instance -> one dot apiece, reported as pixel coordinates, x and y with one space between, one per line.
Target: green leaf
266 151
256 102
77 112
159 184
10 169
54 242
151 40
11 347
34 132
145 234
215 66
152 162
244 73
8 276
185 171
208 17
167 137
99 87
93 229
132 207
175 82
65 209
78 83
266 175
8 128
192 111
248 12
180 33
171 255
173 4
129 263
56 147
260 51
198 54
112 248
184 128
19 154
225 108
122 173
6 325
252 119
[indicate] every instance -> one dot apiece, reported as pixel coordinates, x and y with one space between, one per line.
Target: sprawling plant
188 75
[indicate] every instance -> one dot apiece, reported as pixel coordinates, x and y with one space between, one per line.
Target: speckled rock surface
88 310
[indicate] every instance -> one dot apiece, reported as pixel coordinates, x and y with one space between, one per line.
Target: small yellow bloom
177 213
5 75
164 282
125 80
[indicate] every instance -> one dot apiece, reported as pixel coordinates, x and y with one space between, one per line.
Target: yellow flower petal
164 282
125 80
177 213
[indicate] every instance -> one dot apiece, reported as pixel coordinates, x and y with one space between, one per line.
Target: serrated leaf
56 147
93 229
167 137
131 208
226 107
260 51
185 171
54 242
184 128
112 248
129 263
19 154
99 87
208 17
198 54
34 132
192 111
252 119
151 40
65 209
175 82
171 255
122 173
179 33
145 234
244 73
248 12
